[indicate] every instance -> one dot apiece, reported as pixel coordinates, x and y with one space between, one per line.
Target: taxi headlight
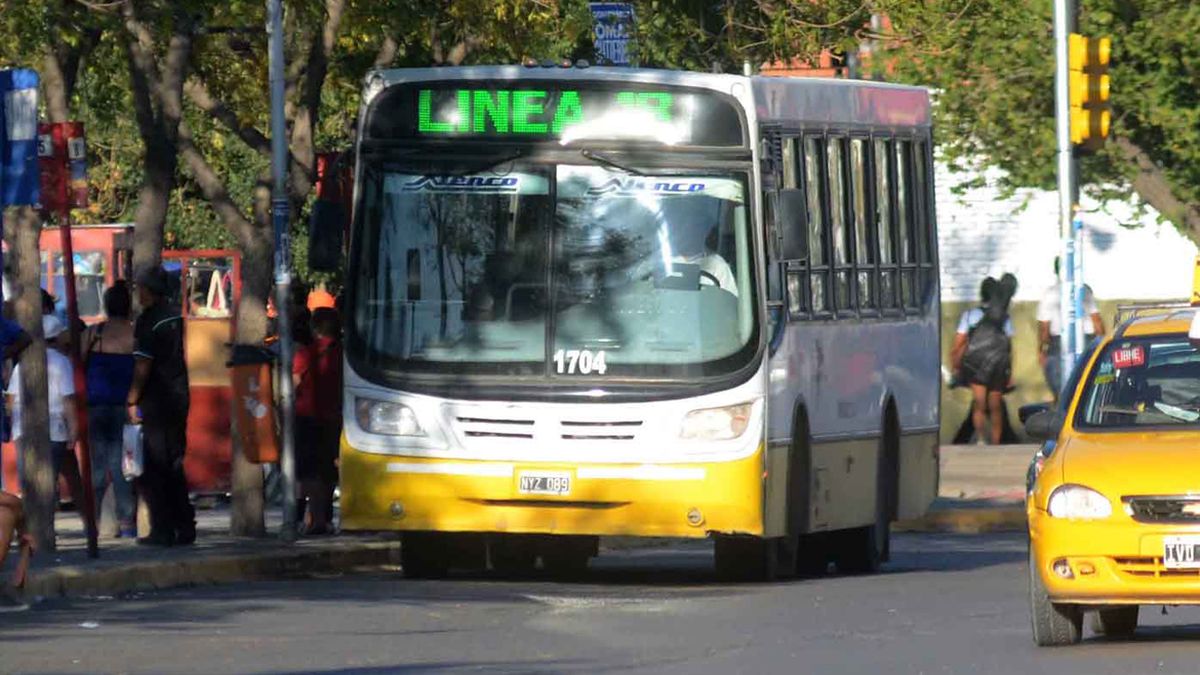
716 424
385 417
1078 501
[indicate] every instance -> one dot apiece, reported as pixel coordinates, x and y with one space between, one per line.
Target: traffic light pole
1064 20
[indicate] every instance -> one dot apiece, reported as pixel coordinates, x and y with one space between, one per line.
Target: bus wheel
424 555
512 555
567 557
746 558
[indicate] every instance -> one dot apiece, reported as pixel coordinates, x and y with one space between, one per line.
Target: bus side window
905 222
883 223
814 155
925 218
864 237
840 232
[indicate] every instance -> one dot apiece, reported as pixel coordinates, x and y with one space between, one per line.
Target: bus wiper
490 164
609 162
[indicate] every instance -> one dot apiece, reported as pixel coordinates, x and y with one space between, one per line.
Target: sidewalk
982 489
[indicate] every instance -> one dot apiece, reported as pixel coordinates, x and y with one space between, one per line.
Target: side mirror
1044 426
1030 409
792 218
325 236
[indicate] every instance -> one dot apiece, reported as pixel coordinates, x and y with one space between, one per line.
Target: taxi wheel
1054 624
1116 622
424 555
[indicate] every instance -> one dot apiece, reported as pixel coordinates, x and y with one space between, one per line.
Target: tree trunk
150 217
39 484
1151 184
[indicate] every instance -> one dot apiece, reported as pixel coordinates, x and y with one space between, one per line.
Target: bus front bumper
388 492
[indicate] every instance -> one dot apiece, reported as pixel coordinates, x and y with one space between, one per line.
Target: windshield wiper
609 162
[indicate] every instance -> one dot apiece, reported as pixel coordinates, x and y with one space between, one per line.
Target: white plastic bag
131 451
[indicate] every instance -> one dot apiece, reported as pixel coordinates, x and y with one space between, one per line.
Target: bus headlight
1077 501
384 417
716 424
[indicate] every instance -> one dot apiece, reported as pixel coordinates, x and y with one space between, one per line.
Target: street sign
18 137
613 31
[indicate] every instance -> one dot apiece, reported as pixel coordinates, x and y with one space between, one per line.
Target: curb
81 580
967 521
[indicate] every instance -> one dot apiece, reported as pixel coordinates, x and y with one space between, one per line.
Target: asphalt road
946 604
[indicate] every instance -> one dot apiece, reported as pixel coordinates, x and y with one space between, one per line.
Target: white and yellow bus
591 301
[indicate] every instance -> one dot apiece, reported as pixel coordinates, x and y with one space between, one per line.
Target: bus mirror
325 236
792 217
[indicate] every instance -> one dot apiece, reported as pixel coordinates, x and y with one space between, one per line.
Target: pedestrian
108 364
12 526
158 397
64 428
317 374
13 341
1049 318
982 355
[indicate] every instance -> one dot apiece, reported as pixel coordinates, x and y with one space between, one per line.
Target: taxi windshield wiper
609 162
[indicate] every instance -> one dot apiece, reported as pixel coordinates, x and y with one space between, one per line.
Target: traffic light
1088 84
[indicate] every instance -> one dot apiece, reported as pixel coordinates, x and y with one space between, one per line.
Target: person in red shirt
317 374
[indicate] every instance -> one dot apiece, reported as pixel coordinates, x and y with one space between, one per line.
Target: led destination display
552 111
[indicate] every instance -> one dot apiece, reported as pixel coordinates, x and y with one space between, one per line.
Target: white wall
980 234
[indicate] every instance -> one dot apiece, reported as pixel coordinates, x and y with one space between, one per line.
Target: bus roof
784 100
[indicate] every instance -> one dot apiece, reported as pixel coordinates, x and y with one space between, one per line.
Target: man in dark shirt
160 390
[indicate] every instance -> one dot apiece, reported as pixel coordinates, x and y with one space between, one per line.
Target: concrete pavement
981 490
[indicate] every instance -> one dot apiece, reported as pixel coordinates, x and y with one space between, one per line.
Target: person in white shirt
691 221
1049 318
60 380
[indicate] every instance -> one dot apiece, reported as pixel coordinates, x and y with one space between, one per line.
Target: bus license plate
544 483
1181 552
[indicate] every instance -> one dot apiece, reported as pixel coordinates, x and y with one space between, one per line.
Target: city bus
587 302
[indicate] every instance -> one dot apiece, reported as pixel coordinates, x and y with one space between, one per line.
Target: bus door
207 286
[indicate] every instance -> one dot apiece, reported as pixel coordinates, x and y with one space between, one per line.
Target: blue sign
613 31
19 176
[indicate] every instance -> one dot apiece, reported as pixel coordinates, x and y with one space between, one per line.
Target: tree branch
1152 184
199 94
307 113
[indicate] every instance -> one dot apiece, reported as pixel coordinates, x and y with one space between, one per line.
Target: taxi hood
1135 463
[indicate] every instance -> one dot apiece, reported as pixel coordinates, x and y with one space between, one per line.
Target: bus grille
477 427
1182 510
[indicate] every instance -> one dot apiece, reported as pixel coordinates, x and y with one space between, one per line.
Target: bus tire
1054 624
424 555
746 558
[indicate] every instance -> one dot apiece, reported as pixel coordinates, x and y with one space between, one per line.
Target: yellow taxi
1114 496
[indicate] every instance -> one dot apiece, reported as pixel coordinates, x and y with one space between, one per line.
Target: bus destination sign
549 111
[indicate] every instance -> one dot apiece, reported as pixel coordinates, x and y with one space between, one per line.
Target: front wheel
1116 622
1054 624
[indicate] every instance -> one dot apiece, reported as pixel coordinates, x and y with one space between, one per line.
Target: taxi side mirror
1044 426
1030 409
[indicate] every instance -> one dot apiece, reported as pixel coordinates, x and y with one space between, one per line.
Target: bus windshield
1144 382
554 270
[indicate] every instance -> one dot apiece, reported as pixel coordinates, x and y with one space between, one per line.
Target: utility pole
283 267
1064 24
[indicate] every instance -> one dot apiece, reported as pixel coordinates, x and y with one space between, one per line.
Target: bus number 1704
581 361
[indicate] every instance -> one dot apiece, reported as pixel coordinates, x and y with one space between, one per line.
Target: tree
992 65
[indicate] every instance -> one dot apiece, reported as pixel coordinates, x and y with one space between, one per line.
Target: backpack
988 352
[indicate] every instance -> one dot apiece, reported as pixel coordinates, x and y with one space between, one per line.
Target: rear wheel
746 558
1054 624
1116 622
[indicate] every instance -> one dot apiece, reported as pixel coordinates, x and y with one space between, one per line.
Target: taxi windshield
1143 383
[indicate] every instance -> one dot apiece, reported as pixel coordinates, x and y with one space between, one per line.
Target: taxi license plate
1181 552
544 483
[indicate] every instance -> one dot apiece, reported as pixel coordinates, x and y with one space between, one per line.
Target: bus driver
690 223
